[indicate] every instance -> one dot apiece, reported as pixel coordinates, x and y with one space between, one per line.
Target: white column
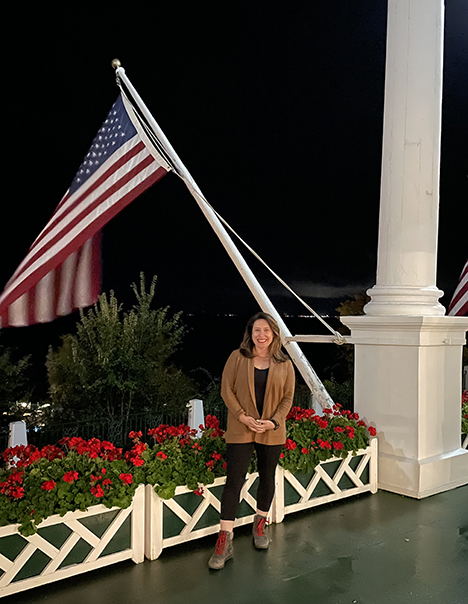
408 356
409 205
408 385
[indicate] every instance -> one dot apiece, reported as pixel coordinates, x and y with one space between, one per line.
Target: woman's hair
247 345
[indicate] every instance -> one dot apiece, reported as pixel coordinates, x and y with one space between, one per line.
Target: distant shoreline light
284 315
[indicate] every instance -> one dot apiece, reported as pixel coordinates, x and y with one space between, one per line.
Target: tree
355 306
14 383
341 383
119 362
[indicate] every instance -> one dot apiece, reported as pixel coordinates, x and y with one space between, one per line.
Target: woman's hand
256 425
267 424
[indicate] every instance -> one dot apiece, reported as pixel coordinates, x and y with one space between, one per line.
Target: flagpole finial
116 63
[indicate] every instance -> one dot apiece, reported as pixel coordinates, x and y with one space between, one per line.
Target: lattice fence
70 545
334 479
188 516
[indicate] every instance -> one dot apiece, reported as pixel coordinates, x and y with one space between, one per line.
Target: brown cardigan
238 392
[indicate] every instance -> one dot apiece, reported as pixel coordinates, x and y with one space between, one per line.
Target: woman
258 388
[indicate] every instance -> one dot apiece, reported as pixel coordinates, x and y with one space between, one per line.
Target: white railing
188 516
65 546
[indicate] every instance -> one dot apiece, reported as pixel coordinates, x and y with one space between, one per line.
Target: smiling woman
257 388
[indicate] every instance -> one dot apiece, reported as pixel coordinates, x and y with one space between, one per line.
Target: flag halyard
62 270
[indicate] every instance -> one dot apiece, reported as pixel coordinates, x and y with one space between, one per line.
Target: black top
261 376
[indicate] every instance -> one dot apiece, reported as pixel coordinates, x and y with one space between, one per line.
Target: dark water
209 341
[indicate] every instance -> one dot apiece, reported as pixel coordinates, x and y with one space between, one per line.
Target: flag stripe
79 236
31 305
62 269
47 233
460 288
73 201
459 304
80 217
461 308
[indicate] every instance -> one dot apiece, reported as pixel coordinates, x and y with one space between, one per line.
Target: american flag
62 270
459 304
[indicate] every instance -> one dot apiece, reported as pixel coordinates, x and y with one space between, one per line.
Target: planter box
465 441
70 545
188 516
334 479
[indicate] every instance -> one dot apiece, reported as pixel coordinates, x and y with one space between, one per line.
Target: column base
408 385
397 300
421 478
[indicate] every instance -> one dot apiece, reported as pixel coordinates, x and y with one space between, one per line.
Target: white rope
339 339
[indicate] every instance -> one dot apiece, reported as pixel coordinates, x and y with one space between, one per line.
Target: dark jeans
238 460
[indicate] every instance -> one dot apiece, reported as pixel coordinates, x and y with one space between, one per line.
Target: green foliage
56 480
355 306
313 439
465 412
79 473
13 382
183 459
118 362
344 393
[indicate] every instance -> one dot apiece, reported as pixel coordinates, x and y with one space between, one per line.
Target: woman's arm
227 385
285 403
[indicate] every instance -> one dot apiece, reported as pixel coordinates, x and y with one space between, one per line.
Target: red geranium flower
70 476
290 444
97 491
48 485
11 488
372 431
126 478
134 435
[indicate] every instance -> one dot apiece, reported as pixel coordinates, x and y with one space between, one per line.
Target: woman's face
262 335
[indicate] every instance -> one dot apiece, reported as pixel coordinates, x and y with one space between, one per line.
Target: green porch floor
372 549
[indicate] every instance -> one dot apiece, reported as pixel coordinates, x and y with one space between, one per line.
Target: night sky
275 108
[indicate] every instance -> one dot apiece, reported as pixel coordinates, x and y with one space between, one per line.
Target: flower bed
74 543
184 476
187 516
75 475
330 480
331 453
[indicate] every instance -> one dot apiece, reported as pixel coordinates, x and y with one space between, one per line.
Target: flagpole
295 352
